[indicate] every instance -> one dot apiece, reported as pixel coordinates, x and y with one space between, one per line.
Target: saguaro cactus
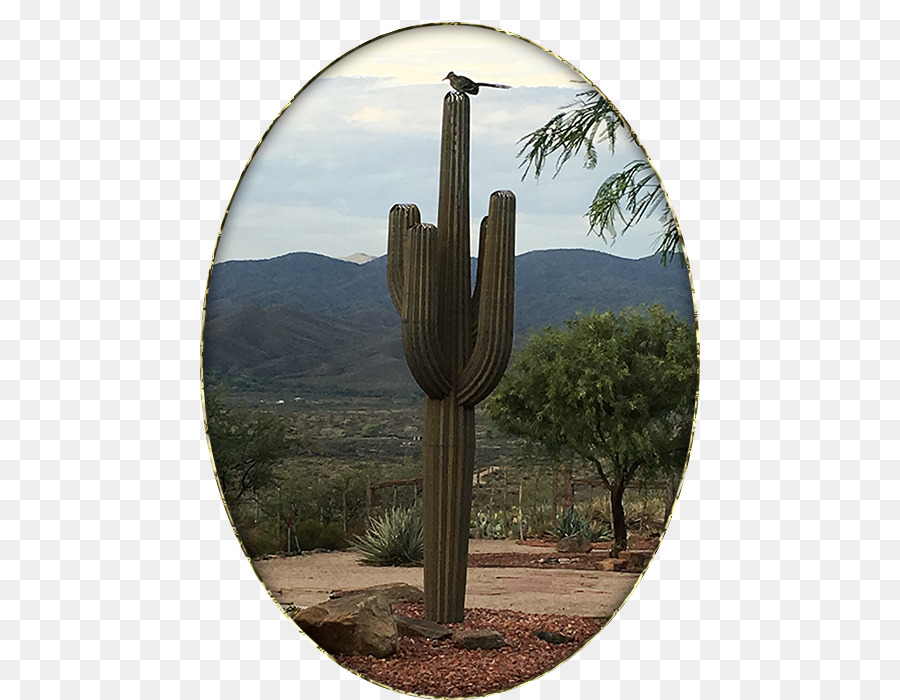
457 343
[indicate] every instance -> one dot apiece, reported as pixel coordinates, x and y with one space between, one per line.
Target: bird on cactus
461 83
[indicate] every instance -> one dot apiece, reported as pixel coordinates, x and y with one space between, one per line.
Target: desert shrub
538 521
257 540
311 534
396 539
333 537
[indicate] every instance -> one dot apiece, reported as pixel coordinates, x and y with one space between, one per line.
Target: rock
553 637
392 593
574 543
478 639
613 565
417 627
358 625
634 561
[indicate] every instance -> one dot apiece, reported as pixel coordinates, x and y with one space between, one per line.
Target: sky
365 135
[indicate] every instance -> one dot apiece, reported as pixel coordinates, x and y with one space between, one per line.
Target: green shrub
311 534
257 541
397 539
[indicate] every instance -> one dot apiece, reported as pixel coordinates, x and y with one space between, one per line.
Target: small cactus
457 344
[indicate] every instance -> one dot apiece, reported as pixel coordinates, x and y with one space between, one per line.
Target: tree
628 196
247 446
616 391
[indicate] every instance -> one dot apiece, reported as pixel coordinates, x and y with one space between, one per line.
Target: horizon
372 258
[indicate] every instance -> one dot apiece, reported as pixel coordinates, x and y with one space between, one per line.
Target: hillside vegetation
312 326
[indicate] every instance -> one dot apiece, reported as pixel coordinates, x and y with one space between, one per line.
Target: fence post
521 536
344 504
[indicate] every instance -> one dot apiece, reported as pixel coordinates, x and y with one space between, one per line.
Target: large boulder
357 625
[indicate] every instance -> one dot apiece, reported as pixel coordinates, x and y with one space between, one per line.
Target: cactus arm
402 217
420 318
494 333
476 293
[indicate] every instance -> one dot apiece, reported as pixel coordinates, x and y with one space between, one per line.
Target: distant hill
315 325
359 258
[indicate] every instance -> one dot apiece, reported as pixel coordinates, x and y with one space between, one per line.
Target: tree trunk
620 532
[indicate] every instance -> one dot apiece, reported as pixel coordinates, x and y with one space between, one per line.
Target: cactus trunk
448 447
457 344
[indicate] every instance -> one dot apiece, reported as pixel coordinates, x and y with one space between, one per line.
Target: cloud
424 55
257 231
366 135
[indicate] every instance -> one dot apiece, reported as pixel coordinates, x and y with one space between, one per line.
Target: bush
256 540
311 534
397 539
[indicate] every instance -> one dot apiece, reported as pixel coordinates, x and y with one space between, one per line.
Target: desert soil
310 578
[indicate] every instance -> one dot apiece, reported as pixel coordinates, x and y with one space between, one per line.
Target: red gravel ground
438 668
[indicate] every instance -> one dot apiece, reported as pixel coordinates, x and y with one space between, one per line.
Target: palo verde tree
624 198
616 391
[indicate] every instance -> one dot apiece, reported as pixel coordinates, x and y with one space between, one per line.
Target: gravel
439 668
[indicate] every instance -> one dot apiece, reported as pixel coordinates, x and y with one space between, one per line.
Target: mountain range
318 326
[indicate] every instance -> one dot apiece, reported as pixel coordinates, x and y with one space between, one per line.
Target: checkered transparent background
123 131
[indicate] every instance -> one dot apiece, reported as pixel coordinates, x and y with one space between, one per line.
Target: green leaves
247 446
624 198
628 197
612 389
590 119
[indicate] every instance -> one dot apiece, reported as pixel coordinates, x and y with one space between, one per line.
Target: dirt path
308 579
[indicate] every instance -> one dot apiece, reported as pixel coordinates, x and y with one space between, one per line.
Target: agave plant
396 539
573 524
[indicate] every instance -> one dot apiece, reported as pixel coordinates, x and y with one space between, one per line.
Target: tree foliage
615 391
624 198
247 446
